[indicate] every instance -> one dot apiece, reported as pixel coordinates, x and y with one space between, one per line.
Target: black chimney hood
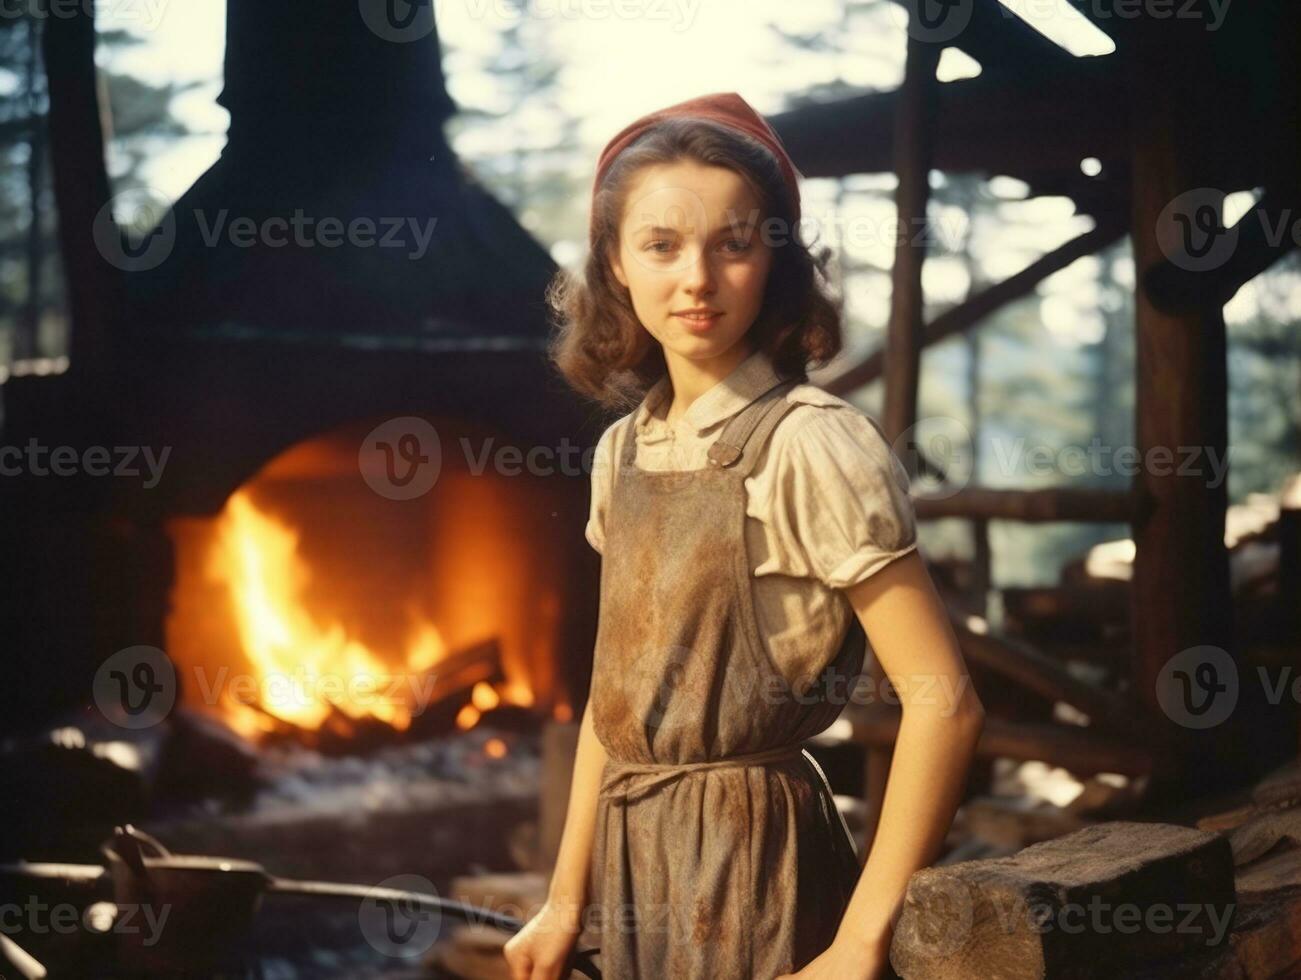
337 212
227 355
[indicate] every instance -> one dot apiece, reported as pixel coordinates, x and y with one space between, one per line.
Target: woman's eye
736 245
653 246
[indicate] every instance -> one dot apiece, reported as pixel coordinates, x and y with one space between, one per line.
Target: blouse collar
747 381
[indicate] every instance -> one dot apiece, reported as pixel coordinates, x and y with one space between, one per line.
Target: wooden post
912 167
1180 595
81 184
1288 616
912 153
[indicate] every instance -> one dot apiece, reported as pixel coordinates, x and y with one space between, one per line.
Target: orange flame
303 666
336 645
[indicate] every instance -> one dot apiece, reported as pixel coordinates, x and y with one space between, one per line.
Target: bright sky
676 49
617 67
178 43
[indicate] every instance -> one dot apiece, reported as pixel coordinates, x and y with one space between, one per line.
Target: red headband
726 108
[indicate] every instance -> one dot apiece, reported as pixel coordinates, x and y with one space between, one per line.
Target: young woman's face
689 241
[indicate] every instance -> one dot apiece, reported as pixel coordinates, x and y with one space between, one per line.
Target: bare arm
942 717
540 950
569 880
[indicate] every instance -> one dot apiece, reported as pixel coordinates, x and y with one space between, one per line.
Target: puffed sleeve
600 486
840 509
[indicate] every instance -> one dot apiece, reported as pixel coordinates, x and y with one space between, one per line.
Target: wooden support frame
1180 597
961 317
1034 671
1174 290
993 31
1081 750
1172 141
81 185
913 144
977 126
1048 504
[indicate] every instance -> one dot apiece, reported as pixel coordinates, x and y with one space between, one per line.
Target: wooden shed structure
234 356
1187 109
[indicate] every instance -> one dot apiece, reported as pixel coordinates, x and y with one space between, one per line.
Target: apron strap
751 426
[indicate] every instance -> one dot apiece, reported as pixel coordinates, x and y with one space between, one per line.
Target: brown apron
719 852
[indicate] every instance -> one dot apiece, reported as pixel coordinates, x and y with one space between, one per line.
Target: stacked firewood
1219 901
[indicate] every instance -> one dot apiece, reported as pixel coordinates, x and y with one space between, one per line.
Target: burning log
439 697
1098 902
459 672
451 686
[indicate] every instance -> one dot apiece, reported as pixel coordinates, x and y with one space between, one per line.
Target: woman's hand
846 959
540 950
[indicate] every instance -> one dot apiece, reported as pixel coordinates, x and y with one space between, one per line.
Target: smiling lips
698 318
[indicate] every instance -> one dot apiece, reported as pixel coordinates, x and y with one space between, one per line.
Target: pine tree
33 309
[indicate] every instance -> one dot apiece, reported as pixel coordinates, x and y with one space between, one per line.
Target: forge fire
307 604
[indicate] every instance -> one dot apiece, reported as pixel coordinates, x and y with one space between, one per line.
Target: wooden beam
1180 596
1034 671
1004 44
1263 236
1040 132
1069 610
1083 751
913 140
987 123
17 130
81 185
972 311
1035 506
1102 15
1288 535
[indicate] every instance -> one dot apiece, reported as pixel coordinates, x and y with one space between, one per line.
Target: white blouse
827 503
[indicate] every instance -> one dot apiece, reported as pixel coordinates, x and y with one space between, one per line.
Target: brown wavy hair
598 344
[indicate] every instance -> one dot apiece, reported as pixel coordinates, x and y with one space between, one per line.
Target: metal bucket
180 913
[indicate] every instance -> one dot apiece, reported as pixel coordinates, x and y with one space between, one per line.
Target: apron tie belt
627 781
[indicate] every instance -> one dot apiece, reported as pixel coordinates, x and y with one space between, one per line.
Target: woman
749 523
